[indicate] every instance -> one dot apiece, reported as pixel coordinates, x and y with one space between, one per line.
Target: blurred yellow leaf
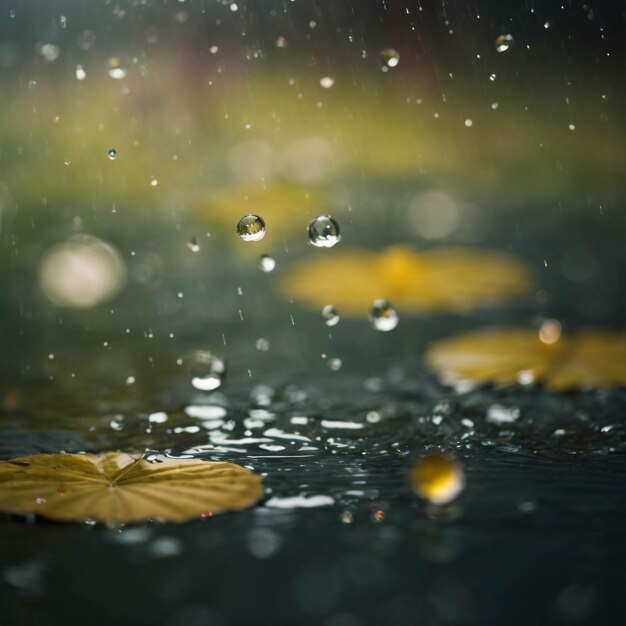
591 358
280 205
451 279
114 487
437 478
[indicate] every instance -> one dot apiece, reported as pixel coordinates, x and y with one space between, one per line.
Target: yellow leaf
593 358
277 204
114 487
450 279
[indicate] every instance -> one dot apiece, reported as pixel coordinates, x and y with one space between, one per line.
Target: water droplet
80 73
327 82
251 228
437 478
40 500
550 332
281 42
492 77
112 153
115 68
330 315
262 344
390 57
503 43
193 245
267 263
67 161
335 364
324 232
207 370
383 316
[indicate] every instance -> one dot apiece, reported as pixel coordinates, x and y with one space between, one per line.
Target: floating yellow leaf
437 478
592 358
437 280
116 488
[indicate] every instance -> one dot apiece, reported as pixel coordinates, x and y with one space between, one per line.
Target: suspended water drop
193 245
437 478
335 364
207 370
503 43
390 58
80 73
330 315
267 263
327 82
115 68
251 228
112 153
324 232
281 42
383 316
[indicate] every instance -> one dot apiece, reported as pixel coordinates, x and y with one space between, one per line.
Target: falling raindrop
383 316
324 232
335 364
251 228
503 43
330 315
112 153
193 245
266 263
327 82
390 58
207 370
80 73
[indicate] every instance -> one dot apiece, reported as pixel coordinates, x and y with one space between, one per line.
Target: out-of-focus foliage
590 358
445 279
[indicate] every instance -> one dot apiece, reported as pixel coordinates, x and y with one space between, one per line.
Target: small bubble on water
330 315
383 316
324 232
327 82
390 58
503 43
266 263
193 245
251 228
207 370
112 153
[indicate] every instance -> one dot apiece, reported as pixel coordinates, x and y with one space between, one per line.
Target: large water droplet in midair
330 315
251 228
324 232
207 370
383 316
112 153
